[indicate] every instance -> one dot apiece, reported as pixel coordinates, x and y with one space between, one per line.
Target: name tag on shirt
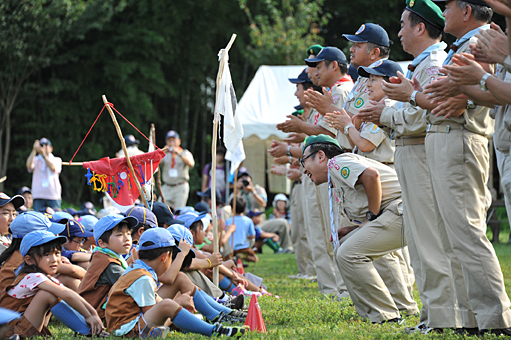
172 172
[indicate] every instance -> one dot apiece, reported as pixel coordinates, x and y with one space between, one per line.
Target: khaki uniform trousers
370 294
203 282
280 227
301 246
433 262
176 196
504 166
318 235
458 163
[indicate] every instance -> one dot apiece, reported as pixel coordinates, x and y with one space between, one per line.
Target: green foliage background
156 61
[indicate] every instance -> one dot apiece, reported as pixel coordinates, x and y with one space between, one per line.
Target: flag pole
158 176
234 195
216 121
123 144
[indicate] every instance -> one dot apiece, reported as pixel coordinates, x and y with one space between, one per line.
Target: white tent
267 101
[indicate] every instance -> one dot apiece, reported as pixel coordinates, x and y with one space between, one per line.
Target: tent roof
269 98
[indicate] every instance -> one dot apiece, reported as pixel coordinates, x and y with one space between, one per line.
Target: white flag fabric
226 104
236 157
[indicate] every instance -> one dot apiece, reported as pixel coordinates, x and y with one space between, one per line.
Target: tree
30 34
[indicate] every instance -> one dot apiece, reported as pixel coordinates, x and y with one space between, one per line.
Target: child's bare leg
161 312
252 258
70 282
168 291
40 304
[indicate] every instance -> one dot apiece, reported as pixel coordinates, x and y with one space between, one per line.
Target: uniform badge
359 102
412 3
375 128
361 29
345 172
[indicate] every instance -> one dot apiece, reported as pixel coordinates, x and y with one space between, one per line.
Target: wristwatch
471 105
288 152
482 83
346 129
370 216
412 98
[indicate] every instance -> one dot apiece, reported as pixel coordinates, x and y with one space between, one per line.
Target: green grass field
303 313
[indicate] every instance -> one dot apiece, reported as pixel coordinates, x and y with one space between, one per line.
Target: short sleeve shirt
45 182
345 171
142 291
174 169
244 228
28 286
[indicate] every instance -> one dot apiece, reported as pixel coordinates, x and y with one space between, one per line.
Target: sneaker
238 314
237 302
296 276
220 330
421 326
227 318
240 290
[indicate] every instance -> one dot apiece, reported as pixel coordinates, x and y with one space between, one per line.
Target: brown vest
121 308
96 296
7 275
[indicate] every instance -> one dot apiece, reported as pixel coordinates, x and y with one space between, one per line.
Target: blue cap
242 171
372 33
302 78
32 221
162 212
60 217
328 53
36 238
202 207
109 222
160 237
23 190
130 140
143 215
75 228
17 200
191 217
88 222
207 194
384 68
255 212
44 141
180 232
7 315
172 134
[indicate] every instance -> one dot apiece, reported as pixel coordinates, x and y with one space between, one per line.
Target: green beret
318 139
428 11
314 49
297 112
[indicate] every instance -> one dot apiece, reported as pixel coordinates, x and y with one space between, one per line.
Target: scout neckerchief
345 79
112 254
335 236
139 264
461 41
440 46
173 163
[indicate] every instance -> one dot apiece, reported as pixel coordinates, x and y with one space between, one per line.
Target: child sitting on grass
76 237
35 291
244 233
113 235
135 309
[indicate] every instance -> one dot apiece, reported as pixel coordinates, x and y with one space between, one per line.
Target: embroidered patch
345 172
430 71
359 102
375 129
376 63
361 29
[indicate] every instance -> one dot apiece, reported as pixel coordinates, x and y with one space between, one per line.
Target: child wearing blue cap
76 237
113 237
134 307
36 290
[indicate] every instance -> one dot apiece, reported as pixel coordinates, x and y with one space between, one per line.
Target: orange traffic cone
239 267
255 317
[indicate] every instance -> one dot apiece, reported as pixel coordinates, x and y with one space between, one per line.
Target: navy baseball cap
87 209
75 228
44 141
109 222
162 212
302 78
17 200
180 232
172 134
36 238
243 172
60 217
130 140
160 237
143 215
372 33
207 194
191 217
202 207
384 68
255 212
298 107
23 190
32 221
328 53
475 2
88 222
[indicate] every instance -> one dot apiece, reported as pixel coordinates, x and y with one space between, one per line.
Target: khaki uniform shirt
175 172
345 170
476 120
339 94
502 115
411 120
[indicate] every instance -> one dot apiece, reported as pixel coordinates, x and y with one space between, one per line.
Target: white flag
226 104
236 157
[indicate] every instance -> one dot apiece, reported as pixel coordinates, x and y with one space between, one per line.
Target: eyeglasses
302 160
79 241
8 214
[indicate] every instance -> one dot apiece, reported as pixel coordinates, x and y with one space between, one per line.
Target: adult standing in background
175 171
46 168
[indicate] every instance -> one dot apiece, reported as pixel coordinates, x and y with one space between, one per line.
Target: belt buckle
428 128
447 129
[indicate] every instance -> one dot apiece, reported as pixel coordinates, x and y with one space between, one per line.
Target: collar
139 264
440 46
463 40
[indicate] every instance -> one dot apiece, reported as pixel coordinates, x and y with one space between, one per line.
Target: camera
245 182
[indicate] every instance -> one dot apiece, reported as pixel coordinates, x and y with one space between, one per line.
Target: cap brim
46 239
202 194
313 62
56 228
296 80
16 200
365 71
354 38
130 220
84 234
